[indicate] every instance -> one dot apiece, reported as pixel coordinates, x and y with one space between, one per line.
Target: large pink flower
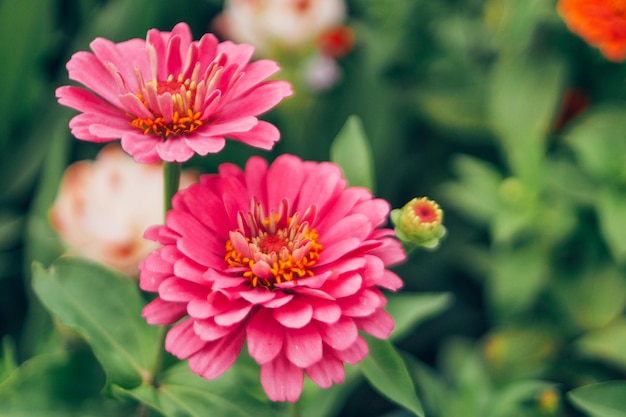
170 97
286 258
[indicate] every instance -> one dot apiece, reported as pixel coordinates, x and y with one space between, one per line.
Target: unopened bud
419 223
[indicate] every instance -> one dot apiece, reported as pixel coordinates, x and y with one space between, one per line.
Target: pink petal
326 311
258 295
326 371
205 145
379 324
226 127
181 341
190 271
141 147
159 311
390 281
360 305
238 54
285 178
282 380
337 250
257 101
209 331
180 290
125 56
295 314
264 336
216 357
342 206
255 73
355 353
205 307
340 335
236 312
264 135
87 69
85 101
377 211
320 186
390 251
353 226
344 285
279 300
174 149
303 346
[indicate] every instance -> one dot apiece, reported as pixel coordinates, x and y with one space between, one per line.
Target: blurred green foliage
465 101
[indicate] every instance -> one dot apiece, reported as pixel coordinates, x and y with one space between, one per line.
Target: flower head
419 223
169 97
602 23
104 206
287 23
285 258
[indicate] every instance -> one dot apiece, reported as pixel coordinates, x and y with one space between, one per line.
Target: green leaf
26 31
105 308
593 299
180 393
387 373
8 362
517 276
524 94
598 141
606 399
606 344
409 310
611 206
476 191
352 152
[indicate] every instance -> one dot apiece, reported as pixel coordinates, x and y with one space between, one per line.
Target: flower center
270 250
425 211
182 118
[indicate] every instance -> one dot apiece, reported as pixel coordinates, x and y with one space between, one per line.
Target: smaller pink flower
104 207
284 258
168 97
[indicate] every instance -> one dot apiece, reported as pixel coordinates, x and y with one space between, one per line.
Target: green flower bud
419 223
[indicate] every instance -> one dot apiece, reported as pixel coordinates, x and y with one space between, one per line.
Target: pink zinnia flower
170 97
285 258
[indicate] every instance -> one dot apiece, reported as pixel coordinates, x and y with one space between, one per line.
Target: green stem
171 181
295 409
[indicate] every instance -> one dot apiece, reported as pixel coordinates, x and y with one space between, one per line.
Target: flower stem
171 181
295 409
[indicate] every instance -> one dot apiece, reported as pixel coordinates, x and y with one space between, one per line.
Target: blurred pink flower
285 258
292 23
170 97
104 207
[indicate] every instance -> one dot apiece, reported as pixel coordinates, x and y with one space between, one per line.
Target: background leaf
409 310
352 152
105 308
606 399
387 373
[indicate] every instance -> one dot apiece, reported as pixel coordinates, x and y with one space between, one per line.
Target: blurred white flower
321 73
290 23
104 206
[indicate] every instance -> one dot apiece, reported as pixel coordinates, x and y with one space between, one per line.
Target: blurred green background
513 124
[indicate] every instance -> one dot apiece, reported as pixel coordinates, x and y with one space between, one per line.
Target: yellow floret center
291 252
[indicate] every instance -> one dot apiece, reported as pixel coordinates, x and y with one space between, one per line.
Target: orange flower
602 23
